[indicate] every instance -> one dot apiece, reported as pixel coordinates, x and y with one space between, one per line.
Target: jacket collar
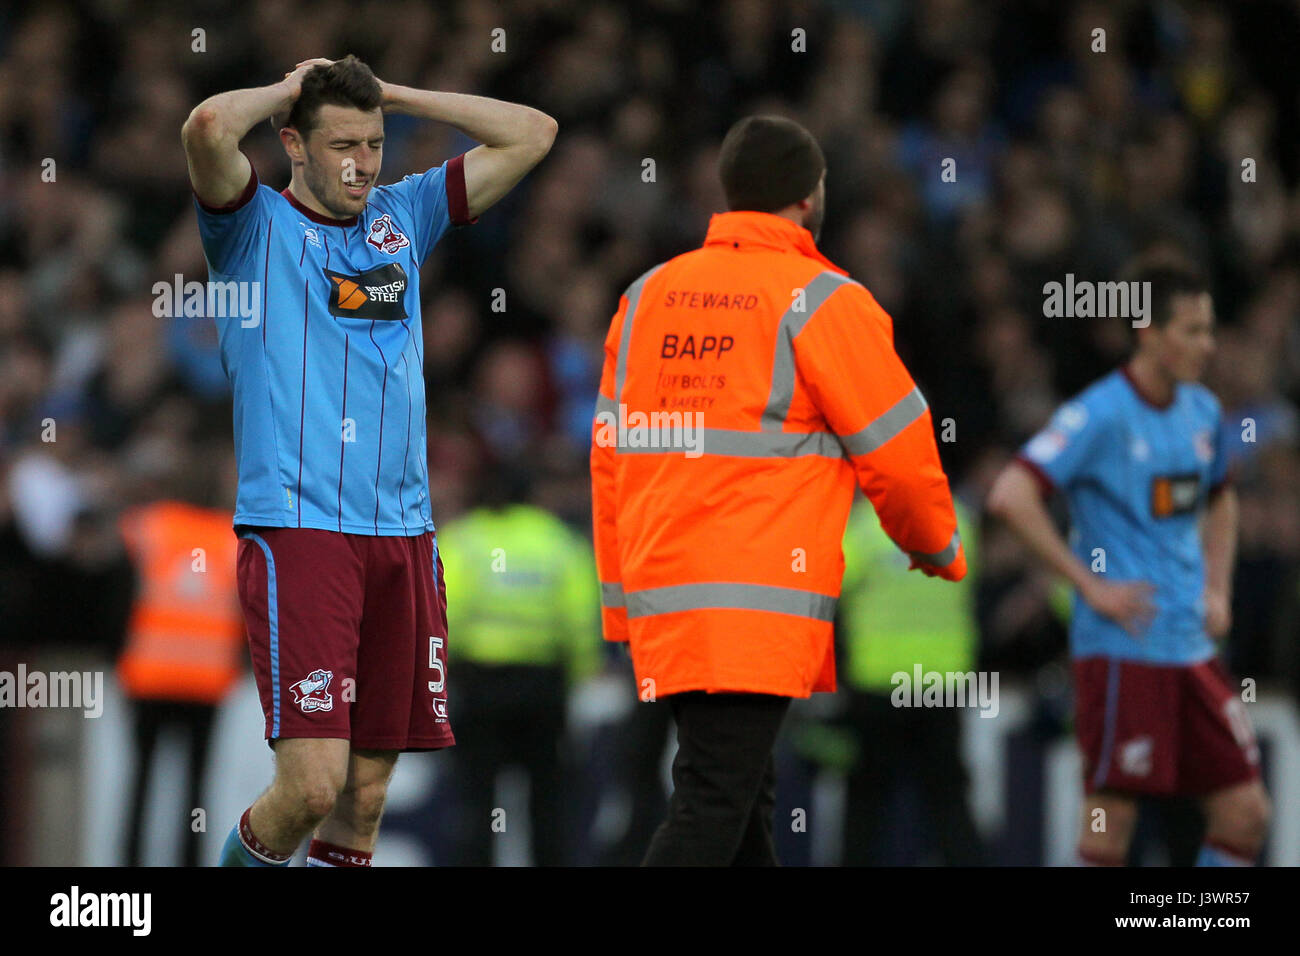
747 228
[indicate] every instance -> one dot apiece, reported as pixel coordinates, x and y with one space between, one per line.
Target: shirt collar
1127 371
312 214
748 228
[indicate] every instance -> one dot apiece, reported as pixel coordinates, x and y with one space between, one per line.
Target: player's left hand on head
313 62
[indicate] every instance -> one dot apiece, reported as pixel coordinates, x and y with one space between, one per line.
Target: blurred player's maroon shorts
348 635
1161 729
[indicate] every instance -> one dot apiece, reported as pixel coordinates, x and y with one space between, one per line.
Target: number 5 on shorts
436 686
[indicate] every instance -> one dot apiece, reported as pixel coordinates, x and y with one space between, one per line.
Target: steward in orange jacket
748 387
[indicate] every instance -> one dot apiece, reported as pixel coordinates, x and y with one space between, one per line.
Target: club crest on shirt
1204 443
312 692
386 237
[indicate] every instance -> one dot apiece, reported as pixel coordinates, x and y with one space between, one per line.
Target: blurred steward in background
890 623
185 646
523 605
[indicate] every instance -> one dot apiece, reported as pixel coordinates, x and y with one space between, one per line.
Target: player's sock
1217 853
320 853
242 848
1084 857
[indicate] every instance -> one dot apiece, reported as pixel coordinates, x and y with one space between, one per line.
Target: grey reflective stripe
907 410
815 295
611 595
633 294
944 558
737 444
749 597
607 405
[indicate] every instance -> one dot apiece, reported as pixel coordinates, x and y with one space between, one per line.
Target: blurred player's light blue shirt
328 383
1136 478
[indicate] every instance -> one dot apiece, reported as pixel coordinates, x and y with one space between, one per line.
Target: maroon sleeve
1229 479
1046 487
457 197
240 201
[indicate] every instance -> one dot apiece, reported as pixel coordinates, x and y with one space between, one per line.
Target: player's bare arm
1015 499
1219 538
212 133
514 138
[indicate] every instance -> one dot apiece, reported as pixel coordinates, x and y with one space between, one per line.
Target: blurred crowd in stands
1068 159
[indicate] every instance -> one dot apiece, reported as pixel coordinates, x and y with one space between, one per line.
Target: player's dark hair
768 163
1169 279
345 82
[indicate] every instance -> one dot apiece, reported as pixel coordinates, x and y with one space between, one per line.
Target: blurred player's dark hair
1170 276
769 162
346 82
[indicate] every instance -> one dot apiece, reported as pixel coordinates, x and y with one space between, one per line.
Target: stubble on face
338 149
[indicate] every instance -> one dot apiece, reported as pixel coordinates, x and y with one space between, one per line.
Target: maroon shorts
1162 730
348 635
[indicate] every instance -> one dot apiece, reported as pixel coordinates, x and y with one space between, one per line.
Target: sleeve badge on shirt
1072 416
1046 445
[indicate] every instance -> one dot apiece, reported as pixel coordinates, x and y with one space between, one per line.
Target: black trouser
724 782
509 715
925 744
152 717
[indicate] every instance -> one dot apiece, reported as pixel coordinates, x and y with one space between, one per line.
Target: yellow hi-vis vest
521 589
894 619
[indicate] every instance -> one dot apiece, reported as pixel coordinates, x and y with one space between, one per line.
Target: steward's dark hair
768 163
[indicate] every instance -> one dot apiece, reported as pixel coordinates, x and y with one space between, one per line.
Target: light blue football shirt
1136 478
327 377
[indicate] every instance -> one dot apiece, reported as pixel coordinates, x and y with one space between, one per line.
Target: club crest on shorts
385 237
312 692
1135 756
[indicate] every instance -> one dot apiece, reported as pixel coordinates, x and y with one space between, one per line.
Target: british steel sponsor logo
377 294
1174 495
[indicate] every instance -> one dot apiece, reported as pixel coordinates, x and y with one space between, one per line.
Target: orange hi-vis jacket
748 387
185 639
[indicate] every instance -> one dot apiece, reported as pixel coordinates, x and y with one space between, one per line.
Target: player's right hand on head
294 76
293 82
1127 603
